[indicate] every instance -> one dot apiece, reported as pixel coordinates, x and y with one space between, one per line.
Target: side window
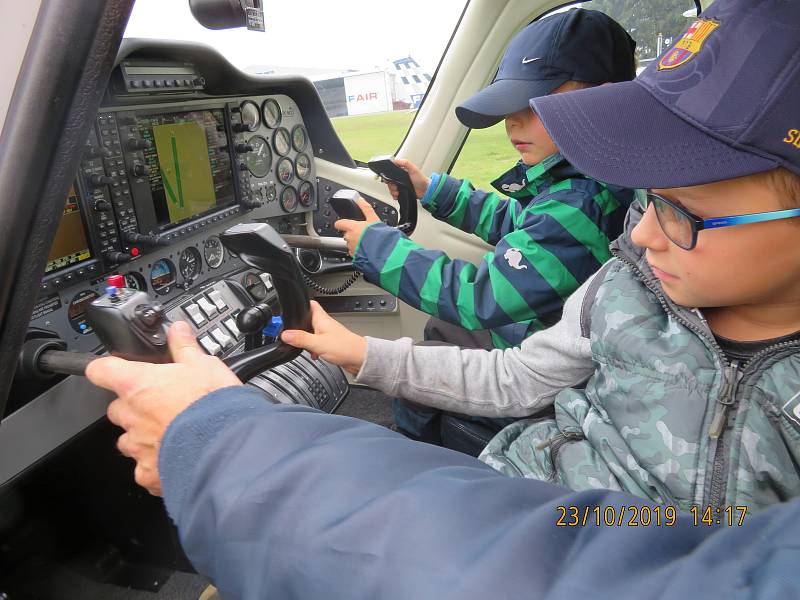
374 99
654 24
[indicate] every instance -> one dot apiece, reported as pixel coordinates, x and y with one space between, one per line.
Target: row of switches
204 308
218 338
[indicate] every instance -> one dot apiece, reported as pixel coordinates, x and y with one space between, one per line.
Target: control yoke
259 246
133 327
387 169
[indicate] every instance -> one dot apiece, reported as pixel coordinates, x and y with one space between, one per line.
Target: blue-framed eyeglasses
681 226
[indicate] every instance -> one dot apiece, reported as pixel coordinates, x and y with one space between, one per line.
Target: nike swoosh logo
527 60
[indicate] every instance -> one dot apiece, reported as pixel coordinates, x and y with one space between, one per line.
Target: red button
134 252
117 281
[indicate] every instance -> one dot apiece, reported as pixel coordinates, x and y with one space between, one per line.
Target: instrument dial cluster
277 167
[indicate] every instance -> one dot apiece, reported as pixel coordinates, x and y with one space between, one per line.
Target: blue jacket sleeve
275 501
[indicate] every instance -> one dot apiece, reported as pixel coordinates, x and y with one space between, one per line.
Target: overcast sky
335 34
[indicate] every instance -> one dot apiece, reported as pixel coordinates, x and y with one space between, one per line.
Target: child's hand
352 230
331 340
418 179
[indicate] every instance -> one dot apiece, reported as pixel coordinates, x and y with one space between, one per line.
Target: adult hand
418 179
352 230
150 396
331 340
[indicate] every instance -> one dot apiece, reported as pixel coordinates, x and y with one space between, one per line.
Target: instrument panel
165 170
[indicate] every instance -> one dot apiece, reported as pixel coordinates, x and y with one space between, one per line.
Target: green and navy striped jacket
549 237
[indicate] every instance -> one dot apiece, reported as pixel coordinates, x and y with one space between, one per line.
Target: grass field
486 154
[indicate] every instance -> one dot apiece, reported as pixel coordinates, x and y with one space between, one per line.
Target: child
553 233
549 237
675 371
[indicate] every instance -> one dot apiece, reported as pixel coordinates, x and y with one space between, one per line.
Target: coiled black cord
318 287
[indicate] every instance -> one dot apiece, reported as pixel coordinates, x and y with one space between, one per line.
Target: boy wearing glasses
675 371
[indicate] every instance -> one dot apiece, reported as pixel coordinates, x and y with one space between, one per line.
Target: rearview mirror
228 14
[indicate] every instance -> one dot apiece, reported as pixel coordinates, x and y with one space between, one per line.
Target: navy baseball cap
576 45
722 102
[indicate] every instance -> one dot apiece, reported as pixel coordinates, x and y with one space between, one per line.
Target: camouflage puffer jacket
664 416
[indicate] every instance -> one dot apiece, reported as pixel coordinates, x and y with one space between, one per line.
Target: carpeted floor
368 404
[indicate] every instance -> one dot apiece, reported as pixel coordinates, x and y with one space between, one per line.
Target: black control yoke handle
259 246
386 168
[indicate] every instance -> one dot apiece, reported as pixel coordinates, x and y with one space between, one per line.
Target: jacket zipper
719 480
727 399
718 471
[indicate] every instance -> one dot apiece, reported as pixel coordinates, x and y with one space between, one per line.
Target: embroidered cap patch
689 45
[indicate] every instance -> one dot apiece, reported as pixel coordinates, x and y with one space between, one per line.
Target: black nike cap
576 45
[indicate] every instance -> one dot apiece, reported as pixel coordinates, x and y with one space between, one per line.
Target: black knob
140 170
240 127
138 144
242 167
242 148
248 204
149 315
102 206
117 257
254 318
98 180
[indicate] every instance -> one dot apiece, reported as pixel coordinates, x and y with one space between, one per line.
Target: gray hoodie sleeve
501 383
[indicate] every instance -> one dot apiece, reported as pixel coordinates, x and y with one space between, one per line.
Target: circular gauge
303 166
299 138
260 159
251 116
214 252
190 263
162 276
270 193
271 111
255 286
306 194
285 170
76 313
289 199
135 281
282 141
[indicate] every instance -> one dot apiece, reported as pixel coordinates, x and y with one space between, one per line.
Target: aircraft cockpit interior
183 148
204 188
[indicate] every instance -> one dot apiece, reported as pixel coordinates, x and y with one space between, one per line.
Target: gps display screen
189 165
70 245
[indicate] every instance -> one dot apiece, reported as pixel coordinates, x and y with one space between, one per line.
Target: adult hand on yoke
150 396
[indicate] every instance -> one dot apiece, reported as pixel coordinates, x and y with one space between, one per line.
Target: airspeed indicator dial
259 160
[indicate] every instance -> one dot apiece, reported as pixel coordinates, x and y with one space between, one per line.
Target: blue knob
274 328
